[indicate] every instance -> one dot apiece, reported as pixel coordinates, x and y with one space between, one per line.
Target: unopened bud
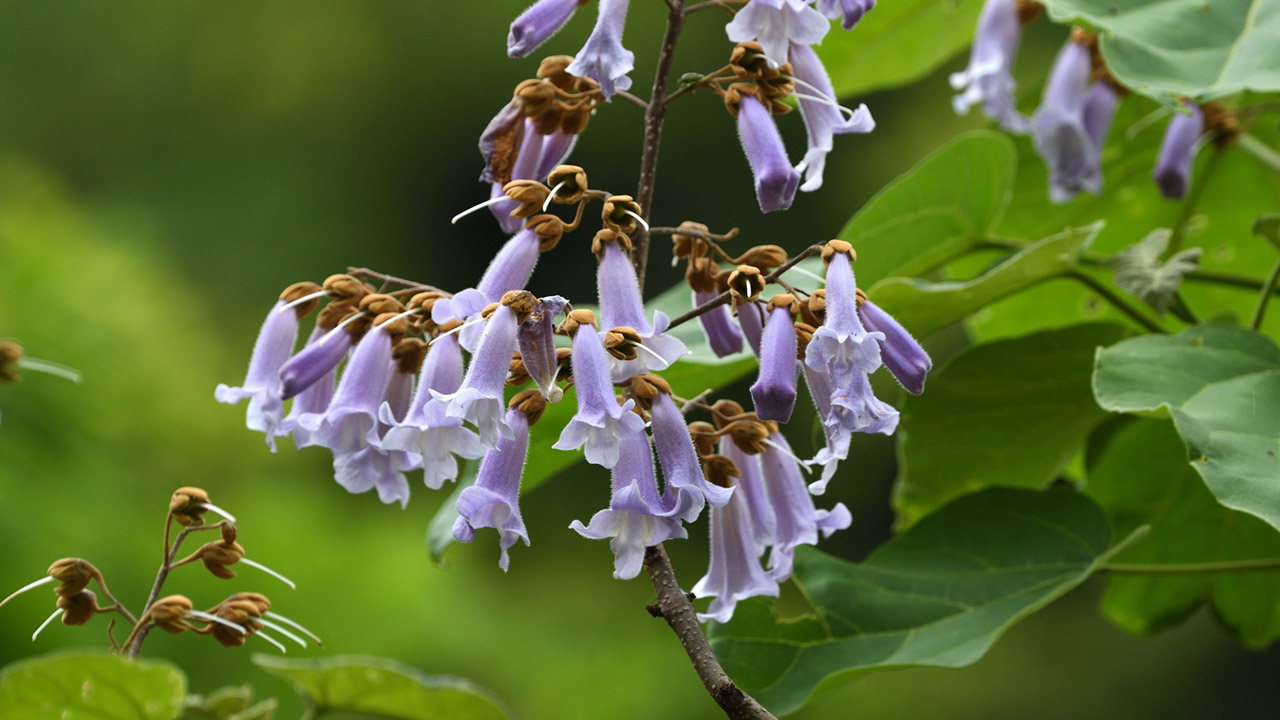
378 304
409 354
720 470
529 402
726 411
521 302
765 257
345 289
704 437
188 505
73 573
77 609
837 246
548 228
703 275
553 70
531 194
10 354
169 613
814 310
684 245
299 290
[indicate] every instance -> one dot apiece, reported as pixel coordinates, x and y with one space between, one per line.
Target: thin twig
366 272
708 5
654 115
656 230
706 81
633 99
723 297
674 607
1264 298
1118 302
134 643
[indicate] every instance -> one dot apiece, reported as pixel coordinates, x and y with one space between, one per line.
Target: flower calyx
609 235
837 247
575 319
621 213
720 470
307 292
188 505
621 342
10 354
530 402
568 184
745 283
644 389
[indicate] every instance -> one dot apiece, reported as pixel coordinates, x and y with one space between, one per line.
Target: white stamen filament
640 346
457 329
748 284
811 274
220 511
282 631
1146 121
344 323
279 645
269 571
29 586
45 624
825 101
473 208
294 624
674 261
638 219
547 203
200 615
803 465
1200 142
406 313
49 368
303 299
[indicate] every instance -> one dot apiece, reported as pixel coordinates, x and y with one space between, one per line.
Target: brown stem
723 297
633 99
674 607
653 118
366 272
133 643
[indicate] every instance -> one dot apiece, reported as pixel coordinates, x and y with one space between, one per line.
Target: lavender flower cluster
1070 127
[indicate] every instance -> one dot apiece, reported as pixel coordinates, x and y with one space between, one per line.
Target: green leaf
897 43
926 307
82 685
1138 473
1141 273
1193 48
938 210
1221 384
440 529
1268 226
938 595
1010 413
377 686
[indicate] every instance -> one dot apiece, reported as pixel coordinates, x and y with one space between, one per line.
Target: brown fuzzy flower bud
748 60
241 611
218 554
548 118
621 342
726 411
73 573
609 235
569 183
299 290
576 318
333 314
748 434
1222 123
804 333
553 70
345 289
548 228
646 388
764 257
535 96
531 194
565 364
259 601
720 470
378 304
859 297
409 354
393 325
787 301
733 96
10 354
745 283
837 246
620 213
169 613
77 609
228 531
704 437
575 119
703 275
187 505
814 310
522 303
684 245
1028 11
529 402
517 373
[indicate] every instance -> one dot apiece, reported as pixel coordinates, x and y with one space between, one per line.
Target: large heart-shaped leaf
381 687
80 685
1138 473
1221 384
1166 48
939 595
1010 413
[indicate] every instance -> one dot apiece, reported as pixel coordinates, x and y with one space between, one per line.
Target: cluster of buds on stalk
231 622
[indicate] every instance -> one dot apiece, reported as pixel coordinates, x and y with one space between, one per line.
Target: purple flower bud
906 360
723 336
603 58
636 517
494 500
1099 110
315 398
989 78
542 20
684 485
823 116
776 181
600 422
479 400
620 305
1060 134
751 486
774 391
751 320
842 347
776 24
315 361
1173 167
427 430
734 572
538 347
262 382
798 522
849 11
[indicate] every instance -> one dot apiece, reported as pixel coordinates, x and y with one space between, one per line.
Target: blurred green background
167 168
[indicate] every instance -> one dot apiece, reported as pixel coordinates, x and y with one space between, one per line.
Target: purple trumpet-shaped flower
751 321
542 20
734 572
776 181
776 24
600 422
426 430
603 58
989 78
836 435
620 306
262 382
1059 127
723 336
317 395
798 522
849 11
842 347
508 270
906 360
319 359
1099 111
536 156
684 485
479 400
823 116
494 500
1173 167
750 484
538 346
636 517
774 391
853 408
524 168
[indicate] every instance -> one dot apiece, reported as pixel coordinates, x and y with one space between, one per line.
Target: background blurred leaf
1009 412
1221 384
936 211
1137 473
926 307
377 686
940 594
897 43
1168 48
79 685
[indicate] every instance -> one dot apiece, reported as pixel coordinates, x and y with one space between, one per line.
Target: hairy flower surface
479 400
988 80
600 422
621 306
493 501
842 347
774 391
684 485
262 384
823 116
902 355
318 393
532 28
734 573
603 58
849 12
723 335
797 522
776 181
